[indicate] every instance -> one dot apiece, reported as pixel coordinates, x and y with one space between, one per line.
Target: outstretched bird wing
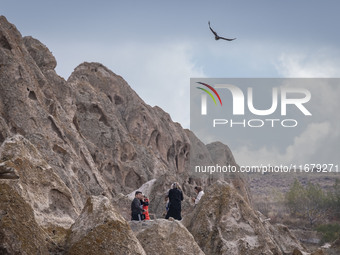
226 38
217 37
212 30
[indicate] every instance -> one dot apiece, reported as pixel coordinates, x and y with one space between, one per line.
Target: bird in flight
217 37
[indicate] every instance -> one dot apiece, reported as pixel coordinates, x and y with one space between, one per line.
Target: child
145 204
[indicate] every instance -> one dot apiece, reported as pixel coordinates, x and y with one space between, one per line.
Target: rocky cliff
71 152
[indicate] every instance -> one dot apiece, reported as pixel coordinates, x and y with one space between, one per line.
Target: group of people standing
174 198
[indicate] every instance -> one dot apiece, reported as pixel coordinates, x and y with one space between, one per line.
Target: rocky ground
72 151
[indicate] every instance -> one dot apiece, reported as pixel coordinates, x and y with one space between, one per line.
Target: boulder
224 223
38 184
19 232
100 229
213 154
40 53
296 251
165 237
283 237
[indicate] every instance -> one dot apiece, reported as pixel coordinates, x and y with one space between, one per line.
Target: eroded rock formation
19 232
224 223
71 152
165 237
100 229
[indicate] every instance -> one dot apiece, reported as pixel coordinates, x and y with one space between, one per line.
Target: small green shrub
329 232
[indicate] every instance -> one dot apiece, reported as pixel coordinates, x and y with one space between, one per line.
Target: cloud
306 146
322 64
319 142
304 150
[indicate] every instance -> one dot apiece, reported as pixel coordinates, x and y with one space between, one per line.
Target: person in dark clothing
136 207
175 198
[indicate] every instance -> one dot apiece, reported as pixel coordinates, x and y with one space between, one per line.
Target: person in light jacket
199 191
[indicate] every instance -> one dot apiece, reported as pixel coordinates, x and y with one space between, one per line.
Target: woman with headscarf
175 202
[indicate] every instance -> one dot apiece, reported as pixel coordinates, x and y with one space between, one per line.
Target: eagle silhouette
217 37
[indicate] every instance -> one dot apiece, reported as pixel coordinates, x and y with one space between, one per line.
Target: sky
157 46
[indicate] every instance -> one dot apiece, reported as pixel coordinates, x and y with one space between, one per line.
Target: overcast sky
157 46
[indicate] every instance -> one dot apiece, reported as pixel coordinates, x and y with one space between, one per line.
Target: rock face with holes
38 184
224 223
129 142
63 141
71 151
93 130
